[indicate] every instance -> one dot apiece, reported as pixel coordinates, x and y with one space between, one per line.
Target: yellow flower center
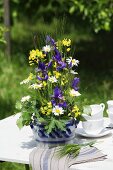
58 111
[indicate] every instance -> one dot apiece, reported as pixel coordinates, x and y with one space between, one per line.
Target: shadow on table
29 145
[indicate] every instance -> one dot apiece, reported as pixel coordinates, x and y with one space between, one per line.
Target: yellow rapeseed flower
40 54
32 55
66 42
57 74
68 49
49 105
76 111
44 83
30 76
42 110
55 65
49 73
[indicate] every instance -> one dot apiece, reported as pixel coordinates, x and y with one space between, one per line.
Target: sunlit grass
12 72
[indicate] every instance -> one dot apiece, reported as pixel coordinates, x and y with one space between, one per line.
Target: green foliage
98 12
72 149
69 149
2 31
55 124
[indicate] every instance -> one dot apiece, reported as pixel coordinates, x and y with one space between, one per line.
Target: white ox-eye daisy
25 81
52 79
47 48
58 111
73 72
73 61
74 93
35 86
25 98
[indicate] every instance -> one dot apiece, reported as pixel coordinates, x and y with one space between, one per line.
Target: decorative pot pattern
56 136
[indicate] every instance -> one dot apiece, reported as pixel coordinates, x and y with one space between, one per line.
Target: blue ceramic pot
56 136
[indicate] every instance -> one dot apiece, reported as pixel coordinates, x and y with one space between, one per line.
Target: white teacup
96 113
110 105
110 115
93 126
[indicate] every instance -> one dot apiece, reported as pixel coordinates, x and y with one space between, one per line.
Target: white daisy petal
53 79
24 81
73 72
73 61
25 98
35 86
74 93
58 111
47 48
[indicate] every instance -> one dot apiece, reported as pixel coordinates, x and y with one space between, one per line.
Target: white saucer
81 132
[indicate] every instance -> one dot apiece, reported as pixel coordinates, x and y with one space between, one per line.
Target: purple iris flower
70 65
61 65
49 64
41 66
63 104
75 83
57 55
57 93
57 98
50 40
42 78
53 102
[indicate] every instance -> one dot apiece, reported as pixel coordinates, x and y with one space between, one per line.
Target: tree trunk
7 24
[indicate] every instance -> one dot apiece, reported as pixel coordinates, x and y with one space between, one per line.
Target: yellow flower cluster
30 76
76 111
57 74
64 80
46 110
35 55
66 42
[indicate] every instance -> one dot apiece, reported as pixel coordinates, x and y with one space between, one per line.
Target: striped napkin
47 159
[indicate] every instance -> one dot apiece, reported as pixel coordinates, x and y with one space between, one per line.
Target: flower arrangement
53 86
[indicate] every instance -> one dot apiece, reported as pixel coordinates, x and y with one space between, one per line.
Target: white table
16 145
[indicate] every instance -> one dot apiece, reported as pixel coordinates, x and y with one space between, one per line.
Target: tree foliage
98 12
2 31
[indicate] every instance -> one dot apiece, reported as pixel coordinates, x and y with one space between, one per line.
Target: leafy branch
72 149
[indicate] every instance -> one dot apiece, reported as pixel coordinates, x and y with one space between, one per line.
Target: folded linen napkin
47 159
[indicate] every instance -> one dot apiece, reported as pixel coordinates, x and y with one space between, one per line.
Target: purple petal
57 93
75 83
53 102
41 66
70 65
50 40
57 55
39 78
63 104
42 78
49 64
61 65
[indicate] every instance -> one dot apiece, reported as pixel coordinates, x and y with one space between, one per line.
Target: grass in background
11 73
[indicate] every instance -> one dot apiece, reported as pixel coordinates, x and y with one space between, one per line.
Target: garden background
24 22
